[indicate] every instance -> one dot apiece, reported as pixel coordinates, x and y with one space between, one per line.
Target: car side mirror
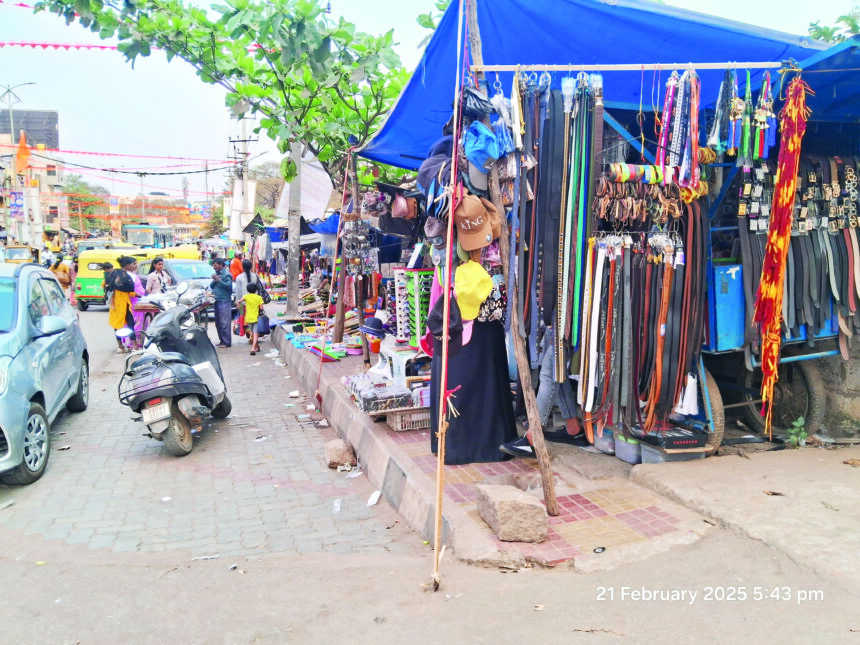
52 325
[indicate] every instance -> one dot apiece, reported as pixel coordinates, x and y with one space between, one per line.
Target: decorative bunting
65 46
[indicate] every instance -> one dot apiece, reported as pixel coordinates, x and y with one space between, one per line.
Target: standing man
236 265
221 291
157 281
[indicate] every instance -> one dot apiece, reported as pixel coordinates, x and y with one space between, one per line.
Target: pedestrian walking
222 289
61 272
236 265
120 285
253 304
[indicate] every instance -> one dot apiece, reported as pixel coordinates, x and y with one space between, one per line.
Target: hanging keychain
745 149
735 116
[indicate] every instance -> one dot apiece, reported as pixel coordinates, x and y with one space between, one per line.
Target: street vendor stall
611 166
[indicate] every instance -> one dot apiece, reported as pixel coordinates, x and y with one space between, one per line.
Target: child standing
253 306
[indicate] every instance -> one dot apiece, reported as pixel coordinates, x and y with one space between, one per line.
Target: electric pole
11 99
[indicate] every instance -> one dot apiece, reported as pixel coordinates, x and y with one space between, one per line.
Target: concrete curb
403 486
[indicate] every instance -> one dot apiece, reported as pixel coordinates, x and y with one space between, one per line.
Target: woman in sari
139 292
127 289
118 287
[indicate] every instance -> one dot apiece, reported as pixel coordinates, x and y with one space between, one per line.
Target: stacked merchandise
822 281
609 260
411 303
418 284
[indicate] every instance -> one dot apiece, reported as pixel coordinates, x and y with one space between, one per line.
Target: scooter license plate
156 412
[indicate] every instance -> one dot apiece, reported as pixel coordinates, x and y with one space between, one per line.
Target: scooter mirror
124 332
182 287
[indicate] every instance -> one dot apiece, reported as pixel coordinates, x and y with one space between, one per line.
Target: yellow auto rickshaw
88 283
21 254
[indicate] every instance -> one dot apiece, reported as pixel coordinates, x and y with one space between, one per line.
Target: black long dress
484 401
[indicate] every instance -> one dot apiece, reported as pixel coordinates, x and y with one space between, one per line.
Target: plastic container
606 443
655 455
629 450
417 420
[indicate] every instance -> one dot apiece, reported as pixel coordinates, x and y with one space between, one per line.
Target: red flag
22 157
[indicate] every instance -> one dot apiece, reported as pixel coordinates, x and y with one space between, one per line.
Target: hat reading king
474 227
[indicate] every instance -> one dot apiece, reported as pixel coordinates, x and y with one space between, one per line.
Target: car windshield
7 304
191 270
18 254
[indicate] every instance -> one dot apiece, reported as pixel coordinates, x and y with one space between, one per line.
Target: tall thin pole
446 309
523 367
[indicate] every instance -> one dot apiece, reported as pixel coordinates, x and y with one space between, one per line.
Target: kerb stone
513 516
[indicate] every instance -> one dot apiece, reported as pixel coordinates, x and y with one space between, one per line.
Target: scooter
176 381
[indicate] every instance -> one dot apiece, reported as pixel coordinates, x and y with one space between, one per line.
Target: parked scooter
176 381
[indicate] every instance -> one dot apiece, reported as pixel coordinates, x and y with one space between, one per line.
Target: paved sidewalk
255 484
803 502
606 520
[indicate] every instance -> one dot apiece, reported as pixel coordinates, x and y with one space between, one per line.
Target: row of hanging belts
822 276
642 325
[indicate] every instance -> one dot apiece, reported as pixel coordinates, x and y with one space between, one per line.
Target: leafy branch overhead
846 26
307 77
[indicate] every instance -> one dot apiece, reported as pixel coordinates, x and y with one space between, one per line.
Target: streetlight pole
11 99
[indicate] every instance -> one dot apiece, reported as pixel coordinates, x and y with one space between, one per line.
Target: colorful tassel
768 306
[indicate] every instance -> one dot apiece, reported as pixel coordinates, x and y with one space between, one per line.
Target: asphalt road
251 539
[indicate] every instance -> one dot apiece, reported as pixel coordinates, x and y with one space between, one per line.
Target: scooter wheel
223 409
177 438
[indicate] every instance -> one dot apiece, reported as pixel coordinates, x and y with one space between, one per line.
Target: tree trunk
294 226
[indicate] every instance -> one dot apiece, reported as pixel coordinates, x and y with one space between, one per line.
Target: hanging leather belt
587 307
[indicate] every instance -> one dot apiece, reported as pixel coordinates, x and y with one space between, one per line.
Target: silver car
43 368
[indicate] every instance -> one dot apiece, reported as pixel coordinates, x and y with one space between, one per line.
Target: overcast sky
162 109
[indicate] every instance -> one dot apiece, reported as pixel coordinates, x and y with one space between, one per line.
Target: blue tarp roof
328 226
832 75
586 32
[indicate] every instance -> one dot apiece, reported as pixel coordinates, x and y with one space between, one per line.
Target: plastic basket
415 420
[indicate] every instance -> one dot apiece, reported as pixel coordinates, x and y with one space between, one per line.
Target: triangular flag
22 157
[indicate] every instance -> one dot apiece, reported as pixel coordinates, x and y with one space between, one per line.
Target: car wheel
82 305
81 399
37 447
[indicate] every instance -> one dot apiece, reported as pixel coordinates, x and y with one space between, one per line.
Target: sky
162 109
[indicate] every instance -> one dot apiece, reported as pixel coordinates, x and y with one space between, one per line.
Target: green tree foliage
308 78
430 20
845 27
88 200
214 226
269 186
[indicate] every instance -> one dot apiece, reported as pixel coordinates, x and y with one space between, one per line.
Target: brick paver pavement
255 483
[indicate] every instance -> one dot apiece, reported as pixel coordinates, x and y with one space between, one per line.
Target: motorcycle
176 380
197 300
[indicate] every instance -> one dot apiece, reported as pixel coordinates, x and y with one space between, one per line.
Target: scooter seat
173 357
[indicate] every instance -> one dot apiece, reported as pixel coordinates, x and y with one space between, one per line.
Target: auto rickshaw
21 254
90 276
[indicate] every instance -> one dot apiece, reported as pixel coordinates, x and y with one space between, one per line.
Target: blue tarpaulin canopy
584 32
832 75
327 226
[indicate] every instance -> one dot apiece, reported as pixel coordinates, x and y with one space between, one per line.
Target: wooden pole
523 366
442 430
